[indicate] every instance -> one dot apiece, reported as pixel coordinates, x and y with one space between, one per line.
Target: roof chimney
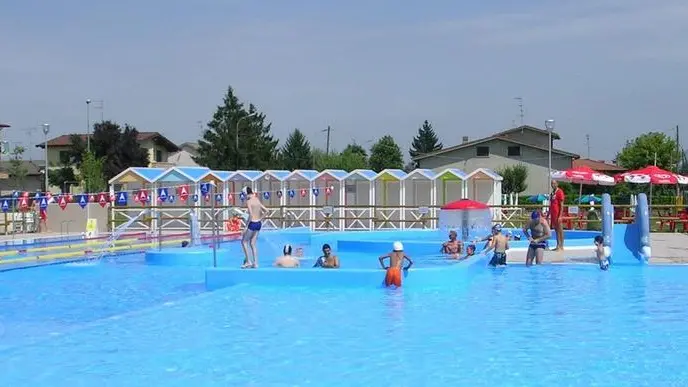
464 139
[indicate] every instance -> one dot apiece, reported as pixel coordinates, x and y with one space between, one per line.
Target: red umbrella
652 175
582 175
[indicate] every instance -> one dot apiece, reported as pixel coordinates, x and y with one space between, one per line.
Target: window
158 156
482 151
513 151
64 157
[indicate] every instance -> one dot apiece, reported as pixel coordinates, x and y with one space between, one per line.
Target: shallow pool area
124 321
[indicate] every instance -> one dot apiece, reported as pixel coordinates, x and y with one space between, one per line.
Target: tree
296 152
91 173
426 141
257 148
118 148
646 148
17 171
385 154
347 161
62 177
514 179
355 148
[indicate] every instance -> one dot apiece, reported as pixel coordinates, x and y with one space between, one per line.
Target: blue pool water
128 324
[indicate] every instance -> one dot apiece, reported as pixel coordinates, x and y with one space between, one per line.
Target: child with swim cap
396 261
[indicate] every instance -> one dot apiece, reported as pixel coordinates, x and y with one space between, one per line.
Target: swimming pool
132 324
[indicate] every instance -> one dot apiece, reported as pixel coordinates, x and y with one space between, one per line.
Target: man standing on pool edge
254 223
556 208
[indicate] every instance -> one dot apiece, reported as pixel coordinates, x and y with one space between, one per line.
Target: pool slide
626 244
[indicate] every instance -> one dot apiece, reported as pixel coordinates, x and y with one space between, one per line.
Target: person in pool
500 244
453 247
537 231
396 264
599 253
256 210
287 260
327 260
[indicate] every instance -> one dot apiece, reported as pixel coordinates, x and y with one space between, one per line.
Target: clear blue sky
608 68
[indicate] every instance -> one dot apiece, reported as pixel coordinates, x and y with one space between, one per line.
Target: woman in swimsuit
537 231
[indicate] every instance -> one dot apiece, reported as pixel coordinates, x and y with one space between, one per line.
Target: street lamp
46 130
237 136
549 125
88 124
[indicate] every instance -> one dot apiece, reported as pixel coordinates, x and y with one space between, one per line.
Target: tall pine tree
257 148
425 142
296 152
385 154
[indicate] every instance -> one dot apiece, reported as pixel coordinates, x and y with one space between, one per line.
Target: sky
610 69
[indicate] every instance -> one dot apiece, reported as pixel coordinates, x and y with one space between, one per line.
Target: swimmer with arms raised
256 210
287 260
396 263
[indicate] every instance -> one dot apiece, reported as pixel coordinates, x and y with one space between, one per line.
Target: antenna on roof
587 143
520 107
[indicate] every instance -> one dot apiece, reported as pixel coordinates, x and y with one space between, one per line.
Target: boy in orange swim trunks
396 263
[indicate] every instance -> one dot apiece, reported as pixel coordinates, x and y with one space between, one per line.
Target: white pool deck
667 248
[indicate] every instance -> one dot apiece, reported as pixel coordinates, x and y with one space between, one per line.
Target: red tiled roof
64 140
599 166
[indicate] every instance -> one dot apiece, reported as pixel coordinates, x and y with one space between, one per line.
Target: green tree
257 148
62 177
426 141
514 179
17 171
91 173
296 152
347 161
355 148
117 147
385 154
646 148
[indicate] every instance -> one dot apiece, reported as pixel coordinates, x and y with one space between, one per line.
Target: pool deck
667 249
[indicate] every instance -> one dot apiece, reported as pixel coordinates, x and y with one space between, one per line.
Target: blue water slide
627 243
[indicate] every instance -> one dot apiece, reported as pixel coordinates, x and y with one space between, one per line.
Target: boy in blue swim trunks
254 223
537 231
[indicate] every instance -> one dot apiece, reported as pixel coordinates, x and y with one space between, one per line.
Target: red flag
62 202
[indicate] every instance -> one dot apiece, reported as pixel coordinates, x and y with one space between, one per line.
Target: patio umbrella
582 175
652 175
590 198
539 198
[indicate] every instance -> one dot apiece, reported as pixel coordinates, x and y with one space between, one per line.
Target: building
182 158
32 182
525 145
599 166
158 146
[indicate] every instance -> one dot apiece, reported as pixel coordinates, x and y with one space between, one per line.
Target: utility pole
327 146
587 143
679 154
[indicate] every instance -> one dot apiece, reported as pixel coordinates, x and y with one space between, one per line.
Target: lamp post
88 125
237 136
549 125
46 130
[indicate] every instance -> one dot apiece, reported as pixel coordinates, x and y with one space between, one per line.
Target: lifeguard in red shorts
396 263
556 209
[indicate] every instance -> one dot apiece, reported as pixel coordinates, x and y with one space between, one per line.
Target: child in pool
396 264
500 244
599 253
